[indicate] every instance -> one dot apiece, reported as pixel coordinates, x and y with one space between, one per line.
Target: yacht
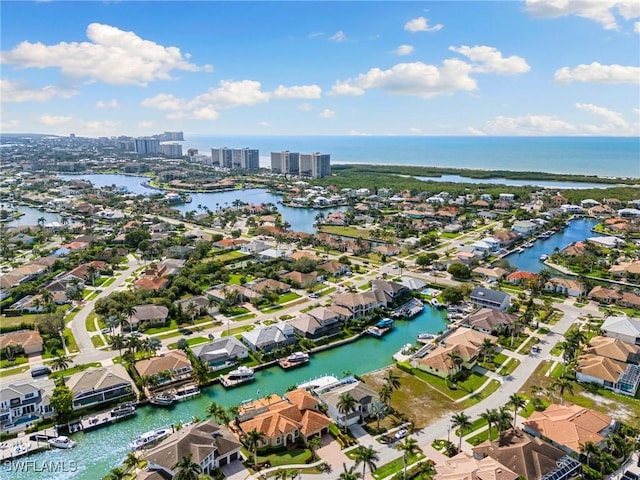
123 410
61 442
385 323
187 391
544 257
238 376
150 437
294 360
164 399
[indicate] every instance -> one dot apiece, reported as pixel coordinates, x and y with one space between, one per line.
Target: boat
435 303
150 437
123 410
543 257
164 399
238 376
425 337
294 360
519 250
377 331
385 323
187 391
61 442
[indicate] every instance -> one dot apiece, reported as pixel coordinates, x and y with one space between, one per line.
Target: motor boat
61 442
238 376
294 360
150 437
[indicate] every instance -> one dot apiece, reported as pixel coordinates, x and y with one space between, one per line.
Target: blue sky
531 67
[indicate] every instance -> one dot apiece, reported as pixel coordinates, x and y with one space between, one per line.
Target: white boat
62 442
543 257
187 391
164 399
238 376
123 410
294 360
426 336
148 438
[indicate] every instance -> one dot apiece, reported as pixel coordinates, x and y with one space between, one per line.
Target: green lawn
295 456
469 385
13 371
164 336
246 316
97 341
90 323
287 297
557 349
482 436
191 342
510 366
75 369
70 341
20 360
237 330
230 256
345 231
395 466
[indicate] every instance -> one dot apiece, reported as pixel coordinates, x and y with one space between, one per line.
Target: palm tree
350 473
60 362
346 404
385 394
517 401
492 417
253 439
408 447
455 360
187 469
118 342
589 448
130 461
314 443
117 473
563 384
487 349
366 456
128 310
392 380
379 410
401 266
216 411
92 272
504 419
462 421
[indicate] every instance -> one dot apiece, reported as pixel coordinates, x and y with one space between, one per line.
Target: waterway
515 183
99 451
300 219
529 260
31 216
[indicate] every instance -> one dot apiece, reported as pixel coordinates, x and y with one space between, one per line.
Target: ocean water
601 156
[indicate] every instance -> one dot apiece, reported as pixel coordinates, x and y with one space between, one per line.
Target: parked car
400 434
313 295
106 330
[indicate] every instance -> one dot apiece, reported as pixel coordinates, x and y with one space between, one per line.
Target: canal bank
98 452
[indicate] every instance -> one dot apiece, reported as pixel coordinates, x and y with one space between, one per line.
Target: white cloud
164 101
54 120
298 91
112 56
15 92
99 127
9 125
327 113
305 107
234 94
475 131
636 27
208 112
146 124
602 11
611 117
489 59
339 36
264 124
421 24
415 130
403 50
415 78
357 133
315 34
597 73
110 104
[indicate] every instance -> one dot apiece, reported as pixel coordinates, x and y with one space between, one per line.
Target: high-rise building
236 158
145 145
173 150
285 162
170 137
311 165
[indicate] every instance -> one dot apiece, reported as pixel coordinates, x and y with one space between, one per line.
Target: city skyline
534 67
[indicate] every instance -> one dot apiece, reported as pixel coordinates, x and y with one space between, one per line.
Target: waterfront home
221 352
625 269
269 337
624 328
392 291
529 456
284 422
317 323
506 238
412 283
169 367
486 297
564 286
524 227
210 445
629 213
149 315
522 278
490 320
334 268
97 386
465 467
608 373
329 396
607 242
359 304
495 273
27 341
24 402
604 295
570 426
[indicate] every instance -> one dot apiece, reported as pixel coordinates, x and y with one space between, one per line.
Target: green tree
459 271
393 380
517 401
346 404
187 469
60 362
563 384
62 402
253 439
491 416
350 473
462 422
408 447
314 443
452 295
366 456
590 449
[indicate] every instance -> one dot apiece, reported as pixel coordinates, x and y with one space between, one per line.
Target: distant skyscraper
236 158
311 165
173 150
170 137
285 162
146 145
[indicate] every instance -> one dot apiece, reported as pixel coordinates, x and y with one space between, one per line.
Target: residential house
626 329
529 457
490 320
149 315
358 304
317 323
522 278
82 272
486 297
96 386
210 445
608 373
524 227
575 249
364 396
494 274
569 426
334 268
220 293
305 280
565 286
604 295
267 284
284 421
28 341
465 467
392 291
199 302
221 352
269 337
172 366
22 403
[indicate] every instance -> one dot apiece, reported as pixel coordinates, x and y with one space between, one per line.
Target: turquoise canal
529 260
99 451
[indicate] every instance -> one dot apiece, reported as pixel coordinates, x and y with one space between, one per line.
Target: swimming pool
432 292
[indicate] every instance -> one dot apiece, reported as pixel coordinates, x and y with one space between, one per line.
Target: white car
400 434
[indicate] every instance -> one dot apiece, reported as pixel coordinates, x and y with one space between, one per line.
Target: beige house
465 467
28 340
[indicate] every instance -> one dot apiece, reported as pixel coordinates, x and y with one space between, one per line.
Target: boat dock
102 419
229 383
409 309
378 331
26 444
